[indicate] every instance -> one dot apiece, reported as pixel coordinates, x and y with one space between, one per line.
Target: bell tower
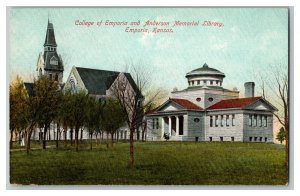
49 62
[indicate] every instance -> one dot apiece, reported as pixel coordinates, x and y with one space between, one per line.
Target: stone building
205 111
94 82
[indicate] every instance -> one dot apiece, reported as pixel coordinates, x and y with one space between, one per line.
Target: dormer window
53 61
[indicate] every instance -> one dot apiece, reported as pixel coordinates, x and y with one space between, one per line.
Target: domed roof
205 71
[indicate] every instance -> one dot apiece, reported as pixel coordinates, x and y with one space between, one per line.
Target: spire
50 37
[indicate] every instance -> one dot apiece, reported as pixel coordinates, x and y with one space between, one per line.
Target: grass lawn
156 163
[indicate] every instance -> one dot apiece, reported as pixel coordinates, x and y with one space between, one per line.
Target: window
260 139
204 81
266 139
198 82
210 139
233 120
265 121
40 72
255 121
232 139
198 99
211 121
196 120
221 139
250 139
189 83
220 83
250 120
216 121
255 139
222 121
210 99
211 82
192 83
227 120
217 82
259 120
53 61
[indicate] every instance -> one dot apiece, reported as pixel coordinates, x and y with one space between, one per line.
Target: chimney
249 89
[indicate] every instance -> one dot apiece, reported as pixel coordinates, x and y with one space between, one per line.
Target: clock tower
49 62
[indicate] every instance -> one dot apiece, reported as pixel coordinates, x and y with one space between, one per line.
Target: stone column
177 125
170 125
162 127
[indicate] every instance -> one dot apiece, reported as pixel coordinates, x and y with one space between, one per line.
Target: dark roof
205 70
96 81
186 104
47 57
50 37
234 103
29 88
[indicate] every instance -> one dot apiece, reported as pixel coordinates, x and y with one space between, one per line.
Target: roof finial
205 65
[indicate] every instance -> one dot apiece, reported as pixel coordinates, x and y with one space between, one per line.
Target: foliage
158 163
280 135
114 117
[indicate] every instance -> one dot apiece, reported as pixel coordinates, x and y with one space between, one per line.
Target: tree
93 118
113 117
129 93
48 97
275 87
76 105
17 107
280 135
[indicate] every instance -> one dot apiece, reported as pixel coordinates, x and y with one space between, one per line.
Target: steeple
50 36
50 63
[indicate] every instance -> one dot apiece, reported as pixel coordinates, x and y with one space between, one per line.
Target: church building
205 111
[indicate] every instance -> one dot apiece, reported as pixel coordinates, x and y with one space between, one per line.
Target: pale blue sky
251 39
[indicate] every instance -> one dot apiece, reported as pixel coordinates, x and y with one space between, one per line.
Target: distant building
205 111
94 82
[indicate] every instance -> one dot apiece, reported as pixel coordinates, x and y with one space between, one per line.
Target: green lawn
156 163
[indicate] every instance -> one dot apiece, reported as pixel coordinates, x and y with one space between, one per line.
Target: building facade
205 111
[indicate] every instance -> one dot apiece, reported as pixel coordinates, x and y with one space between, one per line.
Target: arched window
40 72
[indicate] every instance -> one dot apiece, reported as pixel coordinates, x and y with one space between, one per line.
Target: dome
205 71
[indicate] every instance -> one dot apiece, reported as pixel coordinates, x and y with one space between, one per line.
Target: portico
172 125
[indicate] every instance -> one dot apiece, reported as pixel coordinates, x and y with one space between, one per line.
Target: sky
249 41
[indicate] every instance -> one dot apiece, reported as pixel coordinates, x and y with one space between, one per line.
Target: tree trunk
57 130
76 138
81 134
11 138
112 139
287 148
71 135
131 162
44 136
28 135
49 134
107 143
91 140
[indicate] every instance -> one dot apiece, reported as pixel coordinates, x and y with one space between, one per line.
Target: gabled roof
96 81
234 103
186 104
181 103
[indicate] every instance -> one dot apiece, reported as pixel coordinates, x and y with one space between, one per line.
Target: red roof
233 103
186 104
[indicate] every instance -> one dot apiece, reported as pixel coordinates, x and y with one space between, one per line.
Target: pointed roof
50 37
234 103
182 103
98 81
205 70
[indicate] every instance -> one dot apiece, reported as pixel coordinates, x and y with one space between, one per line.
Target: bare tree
129 91
274 86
